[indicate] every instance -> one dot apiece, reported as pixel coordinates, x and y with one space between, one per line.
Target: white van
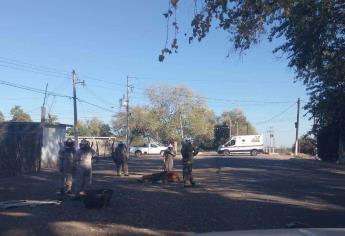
252 144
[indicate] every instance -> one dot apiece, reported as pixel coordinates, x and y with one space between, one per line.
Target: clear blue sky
112 39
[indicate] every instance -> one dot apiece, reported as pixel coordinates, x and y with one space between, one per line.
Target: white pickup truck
148 149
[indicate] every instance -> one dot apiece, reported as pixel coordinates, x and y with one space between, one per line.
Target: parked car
148 149
252 144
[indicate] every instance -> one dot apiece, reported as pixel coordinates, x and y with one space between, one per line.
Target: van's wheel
138 153
254 152
161 153
226 152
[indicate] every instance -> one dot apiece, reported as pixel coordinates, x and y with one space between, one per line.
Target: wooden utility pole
297 126
43 108
181 126
75 128
127 110
237 128
247 128
229 128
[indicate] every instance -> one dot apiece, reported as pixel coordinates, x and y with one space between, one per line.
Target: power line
95 105
102 80
35 68
35 90
275 116
33 71
40 67
98 97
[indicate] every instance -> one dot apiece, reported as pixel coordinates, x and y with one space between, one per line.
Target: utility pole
247 128
75 129
237 128
43 108
270 132
297 126
229 128
181 126
127 110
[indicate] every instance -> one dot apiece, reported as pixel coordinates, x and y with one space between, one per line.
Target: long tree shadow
272 196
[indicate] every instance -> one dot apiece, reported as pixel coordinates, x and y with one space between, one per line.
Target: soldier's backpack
97 198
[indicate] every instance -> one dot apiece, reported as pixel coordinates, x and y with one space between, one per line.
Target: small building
53 137
27 146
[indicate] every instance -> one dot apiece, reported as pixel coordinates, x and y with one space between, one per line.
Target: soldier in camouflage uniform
84 157
188 152
67 166
121 160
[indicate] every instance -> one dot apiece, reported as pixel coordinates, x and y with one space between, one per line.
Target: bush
306 144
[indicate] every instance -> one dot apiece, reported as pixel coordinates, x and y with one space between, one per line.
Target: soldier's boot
125 168
62 192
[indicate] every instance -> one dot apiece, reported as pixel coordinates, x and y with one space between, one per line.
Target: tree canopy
52 119
180 113
238 121
2 117
19 115
174 112
312 35
93 127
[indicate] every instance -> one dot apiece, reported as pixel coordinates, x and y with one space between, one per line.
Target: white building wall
52 140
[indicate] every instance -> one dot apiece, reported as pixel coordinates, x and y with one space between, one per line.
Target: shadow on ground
233 194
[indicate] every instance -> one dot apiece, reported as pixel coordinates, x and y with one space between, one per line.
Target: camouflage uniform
188 152
84 158
121 160
67 167
169 155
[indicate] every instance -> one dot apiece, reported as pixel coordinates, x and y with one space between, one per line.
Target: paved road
233 194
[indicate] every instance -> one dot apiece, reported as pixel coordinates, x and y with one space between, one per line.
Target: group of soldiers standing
76 165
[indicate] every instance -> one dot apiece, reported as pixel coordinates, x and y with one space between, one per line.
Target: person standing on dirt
67 166
84 157
188 152
121 159
169 155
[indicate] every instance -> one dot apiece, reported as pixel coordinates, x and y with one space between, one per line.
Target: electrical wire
50 93
275 116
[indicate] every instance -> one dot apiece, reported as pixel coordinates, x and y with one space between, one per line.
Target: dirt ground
233 193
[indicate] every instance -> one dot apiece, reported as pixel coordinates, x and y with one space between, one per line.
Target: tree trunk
341 152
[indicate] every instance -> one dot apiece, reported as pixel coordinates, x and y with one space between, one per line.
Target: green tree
2 117
180 111
171 113
142 123
82 129
105 130
313 40
306 145
93 127
238 119
52 119
19 115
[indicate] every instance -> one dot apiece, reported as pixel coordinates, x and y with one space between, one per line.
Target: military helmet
69 143
188 140
84 143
